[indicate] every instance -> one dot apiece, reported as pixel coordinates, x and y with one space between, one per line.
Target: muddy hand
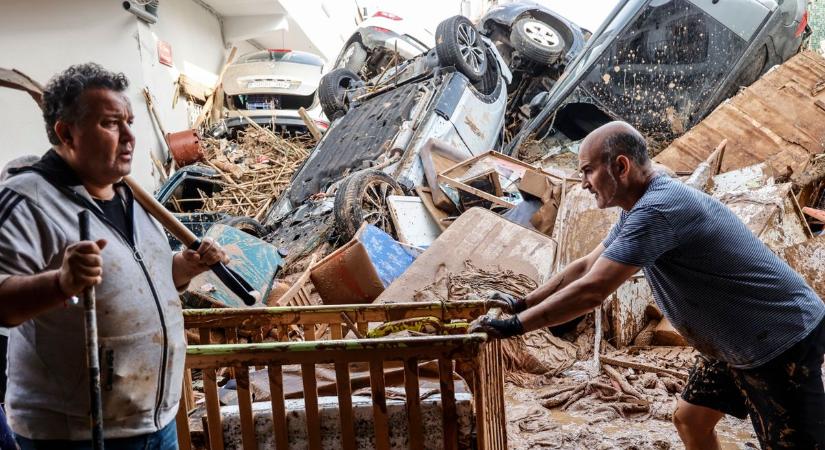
82 267
507 302
208 253
497 328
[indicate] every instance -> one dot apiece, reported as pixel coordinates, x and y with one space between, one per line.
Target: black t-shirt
115 210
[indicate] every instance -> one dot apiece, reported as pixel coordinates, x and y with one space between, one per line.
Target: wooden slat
413 404
344 388
309 332
245 408
182 425
213 411
213 407
276 390
448 409
311 406
379 405
188 391
336 332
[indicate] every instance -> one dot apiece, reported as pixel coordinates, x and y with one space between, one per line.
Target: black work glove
508 303
497 328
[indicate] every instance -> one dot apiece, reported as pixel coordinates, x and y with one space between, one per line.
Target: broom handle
92 357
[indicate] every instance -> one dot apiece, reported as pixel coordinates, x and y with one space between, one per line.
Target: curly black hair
61 96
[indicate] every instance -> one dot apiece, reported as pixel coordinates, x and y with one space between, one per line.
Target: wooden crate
477 359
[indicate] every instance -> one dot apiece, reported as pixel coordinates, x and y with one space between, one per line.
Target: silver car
270 86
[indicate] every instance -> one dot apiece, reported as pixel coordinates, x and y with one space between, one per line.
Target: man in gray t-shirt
757 324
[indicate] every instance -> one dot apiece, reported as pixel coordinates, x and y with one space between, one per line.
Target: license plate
278 84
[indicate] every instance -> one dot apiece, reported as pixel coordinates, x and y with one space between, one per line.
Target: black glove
497 328
511 305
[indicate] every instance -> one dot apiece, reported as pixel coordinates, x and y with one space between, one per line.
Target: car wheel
537 41
332 91
458 44
363 197
246 224
353 58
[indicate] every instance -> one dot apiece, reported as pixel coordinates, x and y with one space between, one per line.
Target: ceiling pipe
139 12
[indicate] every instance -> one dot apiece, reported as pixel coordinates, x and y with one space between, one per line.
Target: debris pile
255 169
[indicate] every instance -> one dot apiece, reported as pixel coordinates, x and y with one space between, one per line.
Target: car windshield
654 63
283 56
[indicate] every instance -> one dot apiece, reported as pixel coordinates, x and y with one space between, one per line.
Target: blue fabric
717 283
6 435
164 439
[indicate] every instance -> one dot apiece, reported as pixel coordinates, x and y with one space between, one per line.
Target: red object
321 124
185 147
802 24
387 15
383 30
280 50
165 53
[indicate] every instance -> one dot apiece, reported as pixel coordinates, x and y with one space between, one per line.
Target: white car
383 40
270 86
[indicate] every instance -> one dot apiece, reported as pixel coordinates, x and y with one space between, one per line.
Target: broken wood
643 367
311 126
207 107
627 388
16 79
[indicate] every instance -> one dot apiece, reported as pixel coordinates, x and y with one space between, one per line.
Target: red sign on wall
165 53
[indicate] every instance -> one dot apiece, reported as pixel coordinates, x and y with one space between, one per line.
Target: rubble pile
256 169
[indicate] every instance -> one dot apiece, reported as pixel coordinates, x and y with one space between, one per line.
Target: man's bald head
618 138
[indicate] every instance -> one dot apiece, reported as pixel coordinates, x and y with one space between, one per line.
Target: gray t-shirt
717 283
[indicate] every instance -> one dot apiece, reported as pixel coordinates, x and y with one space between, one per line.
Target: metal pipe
139 12
92 359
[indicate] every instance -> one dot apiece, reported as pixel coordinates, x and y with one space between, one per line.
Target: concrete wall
44 37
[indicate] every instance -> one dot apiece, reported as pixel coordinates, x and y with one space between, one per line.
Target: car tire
537 40
332 90
246 224
353 57
363 197
459 44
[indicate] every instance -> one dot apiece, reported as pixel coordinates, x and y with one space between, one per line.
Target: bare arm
579 296
571 273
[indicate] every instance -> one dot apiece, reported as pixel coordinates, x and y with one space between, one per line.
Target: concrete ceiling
230 8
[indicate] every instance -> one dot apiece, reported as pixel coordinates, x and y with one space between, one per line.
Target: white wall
43 37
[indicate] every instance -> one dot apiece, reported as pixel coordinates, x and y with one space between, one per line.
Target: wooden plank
245 408
336 332
477 192
182 425
236 317
344 389
449 416
437 214
213 407
188 391
279 424
311 126
416 435
311 405
379 405
207 108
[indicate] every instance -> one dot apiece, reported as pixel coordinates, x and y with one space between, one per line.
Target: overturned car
455 93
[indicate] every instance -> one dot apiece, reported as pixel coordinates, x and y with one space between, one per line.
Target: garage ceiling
230 8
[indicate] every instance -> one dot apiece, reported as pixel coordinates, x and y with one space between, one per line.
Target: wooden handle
156 210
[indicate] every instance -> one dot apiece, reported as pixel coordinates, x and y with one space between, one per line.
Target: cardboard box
537 184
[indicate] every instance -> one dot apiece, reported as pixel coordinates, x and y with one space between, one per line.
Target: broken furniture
469 179
361 269
414 224
255 260
472 356
485 239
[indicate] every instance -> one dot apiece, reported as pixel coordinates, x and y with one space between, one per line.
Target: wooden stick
207 108
351 326
627 388
644 367
313 129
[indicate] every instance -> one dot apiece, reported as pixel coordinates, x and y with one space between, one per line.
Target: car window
281 55
661 69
